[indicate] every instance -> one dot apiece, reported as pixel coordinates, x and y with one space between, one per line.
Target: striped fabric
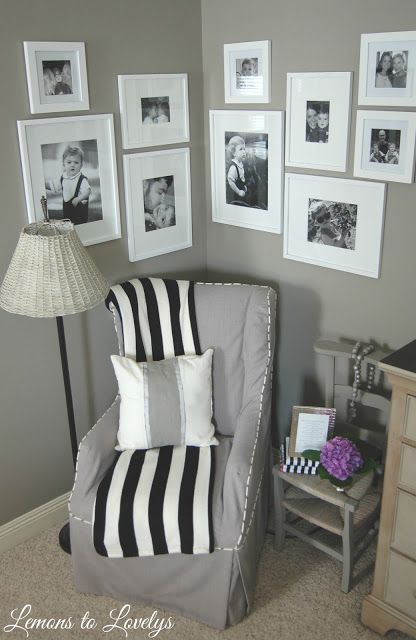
297 464
156 501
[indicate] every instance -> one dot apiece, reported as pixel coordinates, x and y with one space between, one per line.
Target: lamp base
65 538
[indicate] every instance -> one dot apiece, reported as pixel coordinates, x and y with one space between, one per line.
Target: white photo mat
253 88
139 167
332 89
372 46
399 128
39 53
249 124
34 135
367 200
167 96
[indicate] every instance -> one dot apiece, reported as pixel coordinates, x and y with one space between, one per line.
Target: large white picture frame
385 145
258 204
56 75
72 161
247 72
154 109
158 202
334 223
318 120
388 69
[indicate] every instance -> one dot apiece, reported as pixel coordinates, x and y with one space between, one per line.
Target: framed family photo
71 161
318 120
154 109
158 202
385 145
387 69
56 76
247 168
247 72
334 223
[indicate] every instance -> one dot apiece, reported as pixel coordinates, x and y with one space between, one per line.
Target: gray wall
121 37
313 301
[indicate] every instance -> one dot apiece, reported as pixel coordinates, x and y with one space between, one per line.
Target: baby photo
245 69
57 77
391 69
155 110
317 121
385 146
72 181
246 169
159 203
332 223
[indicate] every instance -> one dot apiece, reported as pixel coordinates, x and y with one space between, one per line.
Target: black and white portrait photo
246 167
317 121
332 223
385 146
155 110
246 72
57 77
159 203
72 180
391 69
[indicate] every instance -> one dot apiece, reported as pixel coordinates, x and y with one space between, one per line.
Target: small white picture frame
72 162
388 69
158 202
334 223
247 72
56 74
259 205
385 145
154 109
318 120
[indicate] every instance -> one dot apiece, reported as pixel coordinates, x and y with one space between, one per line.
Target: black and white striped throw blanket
158 500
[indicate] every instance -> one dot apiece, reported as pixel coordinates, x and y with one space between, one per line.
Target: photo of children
72 181
57 77
246 169
246 70
317 121
159 203
332 223
391 69
155 110
385 146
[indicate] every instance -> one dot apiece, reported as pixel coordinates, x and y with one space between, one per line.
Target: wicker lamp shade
51 274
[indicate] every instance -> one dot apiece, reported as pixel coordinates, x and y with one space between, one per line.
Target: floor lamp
52 275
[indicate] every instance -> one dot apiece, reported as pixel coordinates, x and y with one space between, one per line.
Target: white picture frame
262 132
315 99
385 145
334 223
384 81
56 74
154 109
159 220
247 72
43 145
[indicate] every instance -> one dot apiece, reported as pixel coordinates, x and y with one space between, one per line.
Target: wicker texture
51 274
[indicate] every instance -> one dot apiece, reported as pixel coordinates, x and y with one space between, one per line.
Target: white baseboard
33 522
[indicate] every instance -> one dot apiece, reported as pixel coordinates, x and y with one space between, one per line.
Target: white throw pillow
167 402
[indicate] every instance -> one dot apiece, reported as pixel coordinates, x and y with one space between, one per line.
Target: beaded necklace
358 356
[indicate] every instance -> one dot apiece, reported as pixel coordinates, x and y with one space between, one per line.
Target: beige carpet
297 597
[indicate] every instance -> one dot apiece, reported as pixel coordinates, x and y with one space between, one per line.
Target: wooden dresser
392 603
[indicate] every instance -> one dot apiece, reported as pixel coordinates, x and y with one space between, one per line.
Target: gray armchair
217 588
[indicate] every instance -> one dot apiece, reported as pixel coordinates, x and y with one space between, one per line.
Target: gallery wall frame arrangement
154 109
247 72
385 145
56 74
334 222
158 202
388 69
318 120
247 168
72 162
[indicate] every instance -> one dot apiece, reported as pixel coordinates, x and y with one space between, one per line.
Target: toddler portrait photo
332 223
246 72
159 203
317 121
155 110
246 168
391 69
57 77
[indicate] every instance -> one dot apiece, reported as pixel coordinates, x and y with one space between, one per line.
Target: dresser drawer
407 474
404 532
401 584
410 420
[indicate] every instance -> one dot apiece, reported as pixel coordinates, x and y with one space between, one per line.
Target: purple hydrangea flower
341 458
